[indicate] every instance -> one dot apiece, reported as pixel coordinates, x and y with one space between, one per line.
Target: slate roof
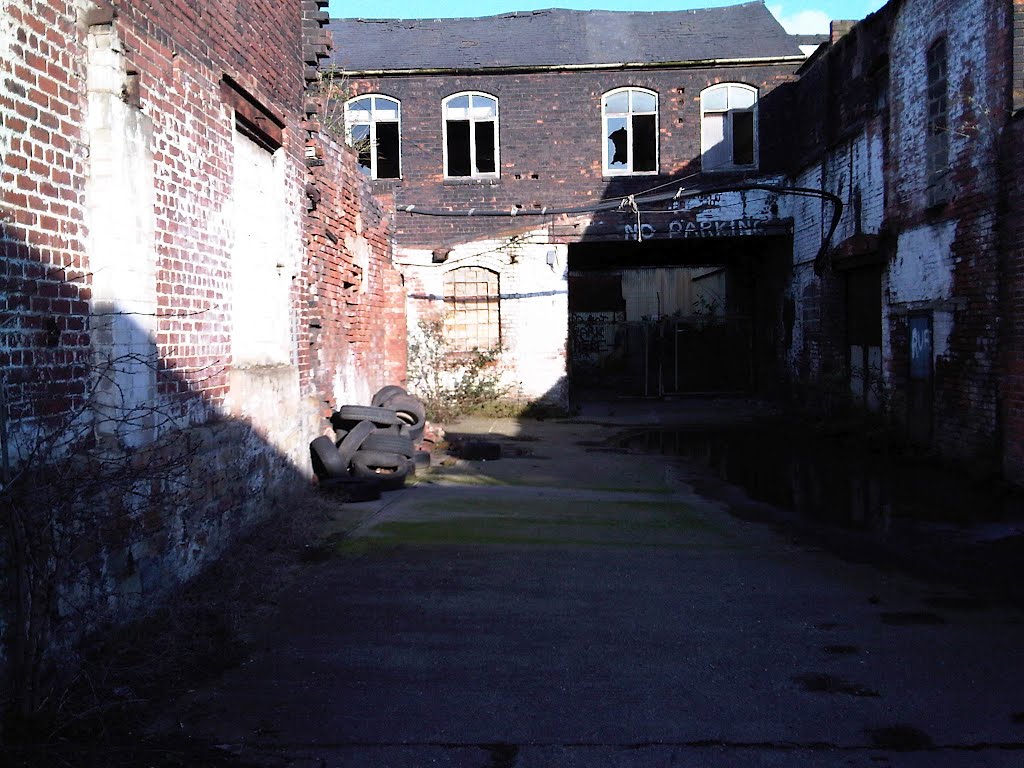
557 37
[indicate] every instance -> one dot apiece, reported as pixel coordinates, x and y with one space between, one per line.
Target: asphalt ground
576 605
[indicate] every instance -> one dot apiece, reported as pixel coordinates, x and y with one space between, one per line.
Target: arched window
470 135
630 124
728 127
373 127
472 303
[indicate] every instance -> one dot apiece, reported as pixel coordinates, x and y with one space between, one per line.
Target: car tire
354 440
385 393
390 469
389 443
349 415
327 461
411 413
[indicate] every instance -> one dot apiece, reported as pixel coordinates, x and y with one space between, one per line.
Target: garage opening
675 318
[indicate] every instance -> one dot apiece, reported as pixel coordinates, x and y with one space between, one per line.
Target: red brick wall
551 141
180 52
43 339
177 57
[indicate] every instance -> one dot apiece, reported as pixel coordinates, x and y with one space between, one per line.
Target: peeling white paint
923 268
534 308
121 249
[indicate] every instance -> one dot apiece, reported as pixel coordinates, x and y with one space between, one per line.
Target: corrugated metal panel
651 293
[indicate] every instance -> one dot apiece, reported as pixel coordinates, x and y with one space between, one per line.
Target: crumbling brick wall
354 329
867 103
965 307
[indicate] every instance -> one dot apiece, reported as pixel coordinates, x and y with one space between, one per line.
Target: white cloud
802 22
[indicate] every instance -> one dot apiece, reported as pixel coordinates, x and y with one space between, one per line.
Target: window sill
471 181
606 176
730 169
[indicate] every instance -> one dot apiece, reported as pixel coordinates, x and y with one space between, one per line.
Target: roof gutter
531 68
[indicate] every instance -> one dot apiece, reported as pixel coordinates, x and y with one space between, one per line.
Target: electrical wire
632 204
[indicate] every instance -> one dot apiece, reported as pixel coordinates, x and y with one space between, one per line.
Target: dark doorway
675 317
864 335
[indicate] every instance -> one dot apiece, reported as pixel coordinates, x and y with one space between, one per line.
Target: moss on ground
656 524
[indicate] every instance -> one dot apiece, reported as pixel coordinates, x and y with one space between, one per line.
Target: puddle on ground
910 618
958 603
828 478
900 738
502 755
842 650
822 683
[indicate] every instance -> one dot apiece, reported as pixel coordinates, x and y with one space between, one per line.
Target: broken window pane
360 140
459 162
618 141
483 106
372 129
728 119
471 121
743 138
485 147
631 131
644 143
386 110
716 152
387 151
360 106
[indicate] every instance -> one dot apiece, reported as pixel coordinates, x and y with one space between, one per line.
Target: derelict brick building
515 116
879 270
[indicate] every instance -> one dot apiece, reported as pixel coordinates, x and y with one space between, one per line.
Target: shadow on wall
121 479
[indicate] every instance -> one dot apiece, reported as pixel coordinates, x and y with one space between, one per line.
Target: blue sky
798 16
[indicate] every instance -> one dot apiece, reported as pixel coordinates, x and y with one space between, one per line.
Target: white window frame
607 170
474 172
350 122
731 90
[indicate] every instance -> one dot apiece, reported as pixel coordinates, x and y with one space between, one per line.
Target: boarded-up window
472 309
728 125
630 123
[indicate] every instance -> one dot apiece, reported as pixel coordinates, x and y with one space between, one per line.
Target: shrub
448 381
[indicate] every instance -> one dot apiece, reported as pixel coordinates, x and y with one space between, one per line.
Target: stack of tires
376 443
